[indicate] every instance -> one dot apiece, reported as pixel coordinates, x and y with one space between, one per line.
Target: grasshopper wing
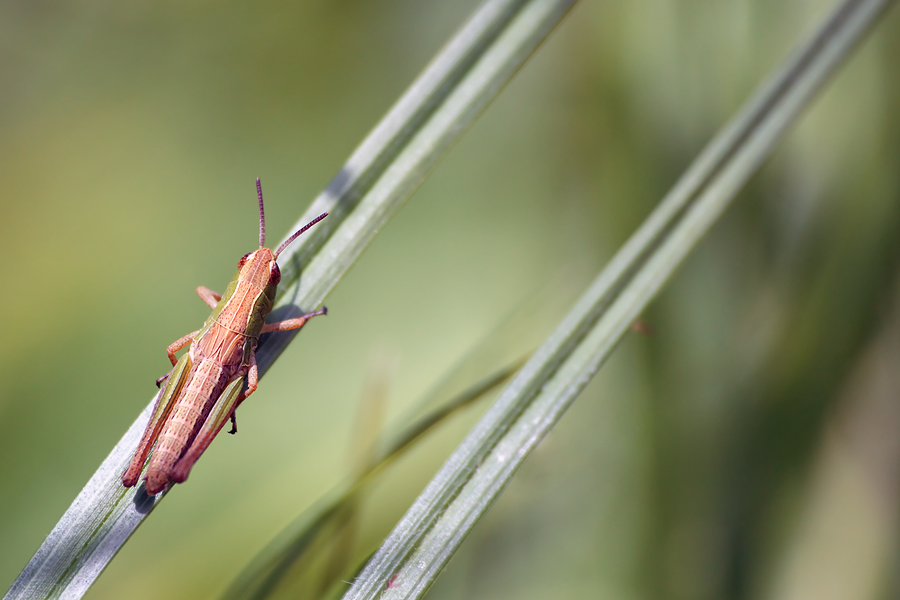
164 404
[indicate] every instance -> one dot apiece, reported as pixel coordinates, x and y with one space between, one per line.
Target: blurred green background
747 449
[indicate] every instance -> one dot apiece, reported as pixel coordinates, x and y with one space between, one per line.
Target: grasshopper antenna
296 235
262 215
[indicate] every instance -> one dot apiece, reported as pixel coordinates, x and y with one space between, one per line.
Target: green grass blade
466 75
304 536
484 368
502 35
430 533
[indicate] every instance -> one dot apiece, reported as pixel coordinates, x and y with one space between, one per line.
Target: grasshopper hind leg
164 403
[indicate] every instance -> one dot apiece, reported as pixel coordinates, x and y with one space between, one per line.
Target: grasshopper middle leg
178 345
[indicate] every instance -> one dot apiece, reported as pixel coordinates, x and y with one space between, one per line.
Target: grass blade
466 75
429 534
485 368
306 536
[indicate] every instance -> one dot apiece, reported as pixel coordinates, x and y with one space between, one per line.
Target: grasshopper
206 385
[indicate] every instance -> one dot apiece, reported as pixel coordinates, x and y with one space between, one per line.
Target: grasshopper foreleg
297 323
207 295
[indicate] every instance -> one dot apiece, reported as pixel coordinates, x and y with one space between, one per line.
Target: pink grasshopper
204 388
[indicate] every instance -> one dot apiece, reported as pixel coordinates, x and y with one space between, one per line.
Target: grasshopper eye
243 260
274 273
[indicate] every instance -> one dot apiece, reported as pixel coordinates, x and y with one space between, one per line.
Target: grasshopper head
259 267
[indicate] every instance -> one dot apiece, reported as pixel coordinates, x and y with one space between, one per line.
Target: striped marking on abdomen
205 383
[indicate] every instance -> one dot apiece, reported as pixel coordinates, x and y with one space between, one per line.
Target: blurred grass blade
363 458
432 530
312 561
465 76
489 364
290 551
